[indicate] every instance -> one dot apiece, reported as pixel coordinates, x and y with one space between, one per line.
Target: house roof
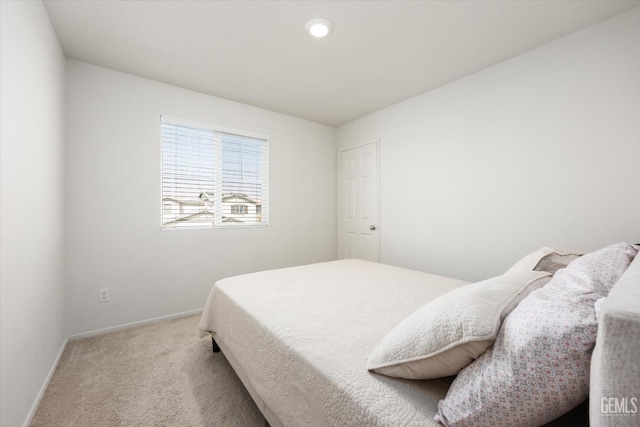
192 217
186 202
225 219
238 198
209 197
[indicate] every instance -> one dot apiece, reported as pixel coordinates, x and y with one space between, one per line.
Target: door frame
376 143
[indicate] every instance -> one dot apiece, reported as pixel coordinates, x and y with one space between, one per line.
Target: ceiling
258 53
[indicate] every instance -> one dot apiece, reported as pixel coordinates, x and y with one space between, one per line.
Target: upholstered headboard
615 366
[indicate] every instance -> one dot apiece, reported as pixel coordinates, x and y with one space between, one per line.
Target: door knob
372 227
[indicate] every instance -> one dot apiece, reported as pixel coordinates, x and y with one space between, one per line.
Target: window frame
227 130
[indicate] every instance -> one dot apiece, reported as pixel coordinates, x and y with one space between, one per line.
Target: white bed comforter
302 336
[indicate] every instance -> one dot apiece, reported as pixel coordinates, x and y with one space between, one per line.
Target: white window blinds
213 177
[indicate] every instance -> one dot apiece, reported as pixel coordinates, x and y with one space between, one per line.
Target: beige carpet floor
153 375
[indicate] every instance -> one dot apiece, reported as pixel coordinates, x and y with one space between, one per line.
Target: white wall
31 206
113 200
541 149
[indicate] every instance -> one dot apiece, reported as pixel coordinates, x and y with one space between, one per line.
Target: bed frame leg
216 349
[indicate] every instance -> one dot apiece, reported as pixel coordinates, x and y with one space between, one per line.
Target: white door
358 223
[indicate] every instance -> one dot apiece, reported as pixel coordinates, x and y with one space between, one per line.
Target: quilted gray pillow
546 259
538 368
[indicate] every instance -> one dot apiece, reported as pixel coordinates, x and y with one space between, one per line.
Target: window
213 177
239 209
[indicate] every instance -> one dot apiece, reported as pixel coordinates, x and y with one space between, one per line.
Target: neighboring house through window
213 176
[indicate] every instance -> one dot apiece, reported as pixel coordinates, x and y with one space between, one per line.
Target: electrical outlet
104 295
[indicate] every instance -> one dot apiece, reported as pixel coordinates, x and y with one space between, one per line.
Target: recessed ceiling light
319 27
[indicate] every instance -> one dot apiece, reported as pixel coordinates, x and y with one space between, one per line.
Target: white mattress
302 337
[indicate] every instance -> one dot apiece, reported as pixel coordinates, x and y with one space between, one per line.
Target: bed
299 339
336 313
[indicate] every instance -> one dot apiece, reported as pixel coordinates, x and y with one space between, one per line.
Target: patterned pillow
538 368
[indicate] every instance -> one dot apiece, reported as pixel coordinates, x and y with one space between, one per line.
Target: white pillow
546 259
454 329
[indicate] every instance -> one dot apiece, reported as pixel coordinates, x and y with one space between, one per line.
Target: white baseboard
133 324
47 380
